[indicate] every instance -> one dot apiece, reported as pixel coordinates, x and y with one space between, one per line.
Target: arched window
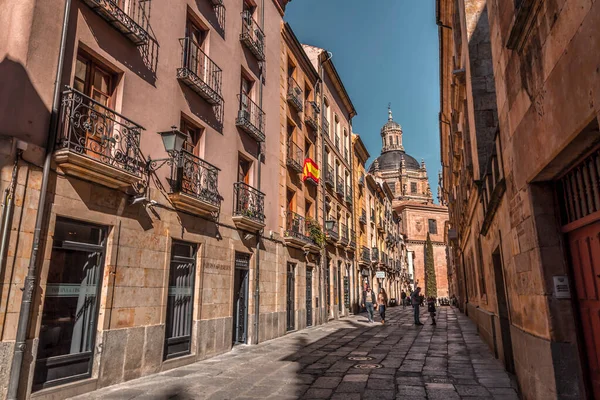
384 142
396 139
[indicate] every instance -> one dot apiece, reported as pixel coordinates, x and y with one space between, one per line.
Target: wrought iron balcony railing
363 217
333 233
325 126
199 72
352 243
372 216
361 180
101 135
329 177
344 234
348 195
365 254
337 142
340 186
196 178
311 114
251 118
248 202
253 36
296 227
295 157
294 94
130 17
374 254
346 154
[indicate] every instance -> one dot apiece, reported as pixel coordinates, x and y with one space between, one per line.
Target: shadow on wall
23 113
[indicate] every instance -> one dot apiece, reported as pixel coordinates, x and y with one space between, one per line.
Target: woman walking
382 302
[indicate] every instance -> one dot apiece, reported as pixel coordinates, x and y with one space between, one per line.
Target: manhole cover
359 358
368 366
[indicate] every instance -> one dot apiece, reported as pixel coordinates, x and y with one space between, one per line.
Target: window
246 86
244 167
433 226
291 69
291 200
308 209
196 34
413 187
70 308
192 143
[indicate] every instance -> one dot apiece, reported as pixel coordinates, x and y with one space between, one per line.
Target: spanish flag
311 171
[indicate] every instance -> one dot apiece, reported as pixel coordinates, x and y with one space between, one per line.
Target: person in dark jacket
369 301
415 298
403 297
431 309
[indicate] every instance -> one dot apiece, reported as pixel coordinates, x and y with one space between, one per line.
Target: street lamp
173 140
329 225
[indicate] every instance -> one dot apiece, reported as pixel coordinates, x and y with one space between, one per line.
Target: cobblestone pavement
393 361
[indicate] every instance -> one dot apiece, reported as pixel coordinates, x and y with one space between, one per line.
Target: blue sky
386 51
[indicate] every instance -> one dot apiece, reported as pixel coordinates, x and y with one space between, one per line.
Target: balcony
374 255
311 114
329 177
252 36
130 17
295 157
339 188
337 142
294 94
344 239
363 217
248 207
97 144
380 225
332 234
325 126
194 186
346 155
348 195
251 118
372 217
199 72
352 244
365 255
295 234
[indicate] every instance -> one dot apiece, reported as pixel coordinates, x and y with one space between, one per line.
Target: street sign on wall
380 274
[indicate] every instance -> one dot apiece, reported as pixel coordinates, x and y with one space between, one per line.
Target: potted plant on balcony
315 232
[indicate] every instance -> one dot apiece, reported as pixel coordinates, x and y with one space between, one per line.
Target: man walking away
416 302
368 302
403 297
431 308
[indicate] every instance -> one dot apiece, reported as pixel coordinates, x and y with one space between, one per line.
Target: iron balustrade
199 72
344 233
251 118
333 233
346 154
337 142
248 202
372 216
295 157
365 254
329 177
197 178
374 254
130 17
363 217
311 114
348 194
294 94
93 130
340 186
325 126
352 239
296 226
253 36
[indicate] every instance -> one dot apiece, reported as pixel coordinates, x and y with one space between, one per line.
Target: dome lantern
391 133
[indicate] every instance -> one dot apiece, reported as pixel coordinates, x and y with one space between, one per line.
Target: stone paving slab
393 361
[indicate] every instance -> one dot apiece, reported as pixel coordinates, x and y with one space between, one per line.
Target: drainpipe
30 280
258 181
351 161
323 251
9 201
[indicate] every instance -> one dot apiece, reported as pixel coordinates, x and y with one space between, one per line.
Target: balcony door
309 302
240 298
291 296
195 59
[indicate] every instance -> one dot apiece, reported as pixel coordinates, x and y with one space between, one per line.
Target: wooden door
584 246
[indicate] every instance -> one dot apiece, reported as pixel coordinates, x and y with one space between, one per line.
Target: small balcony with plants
295 157
316 235
329 177
251 118
339 188
363 217
130 17
195 185
294 94
365 255
248 207
199 72
97 144
295 234
311 114
252 36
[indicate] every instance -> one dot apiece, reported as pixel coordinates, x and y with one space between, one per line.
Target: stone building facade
408 182
519 133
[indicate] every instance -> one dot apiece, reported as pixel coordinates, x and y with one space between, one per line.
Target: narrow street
347 359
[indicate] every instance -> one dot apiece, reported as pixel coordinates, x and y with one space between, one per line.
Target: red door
584 244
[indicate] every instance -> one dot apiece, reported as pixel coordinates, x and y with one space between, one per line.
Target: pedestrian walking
416 302
382 303
369 302
403 297
431 308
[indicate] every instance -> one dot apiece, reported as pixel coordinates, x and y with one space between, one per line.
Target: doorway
291 284
503 315
328 288
240 298
309 306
